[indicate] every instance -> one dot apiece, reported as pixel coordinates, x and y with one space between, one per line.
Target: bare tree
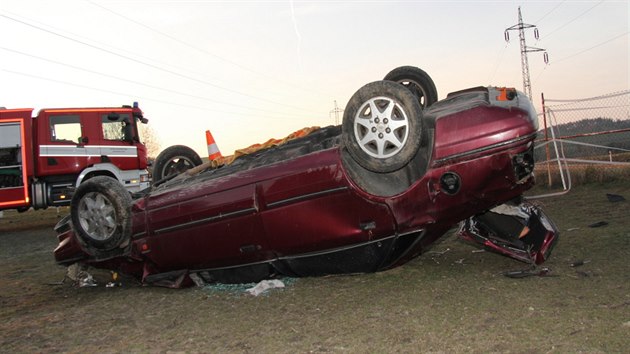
150 139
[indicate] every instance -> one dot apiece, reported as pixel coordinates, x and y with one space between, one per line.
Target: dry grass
454 302
13 220
581 174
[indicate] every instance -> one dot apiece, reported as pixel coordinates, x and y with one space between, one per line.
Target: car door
206 224
311 207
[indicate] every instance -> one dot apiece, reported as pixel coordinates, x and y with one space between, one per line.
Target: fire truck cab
44 158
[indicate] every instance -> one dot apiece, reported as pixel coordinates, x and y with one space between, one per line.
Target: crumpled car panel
519 230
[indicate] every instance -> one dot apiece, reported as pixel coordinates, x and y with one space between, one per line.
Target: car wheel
382 126
175 160
417 81
101 213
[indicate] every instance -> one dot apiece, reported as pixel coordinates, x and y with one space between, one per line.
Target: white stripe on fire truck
90 150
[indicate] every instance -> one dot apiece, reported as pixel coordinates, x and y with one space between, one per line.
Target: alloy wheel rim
381 127
97 216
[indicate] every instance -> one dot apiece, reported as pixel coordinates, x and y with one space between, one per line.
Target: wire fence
584 140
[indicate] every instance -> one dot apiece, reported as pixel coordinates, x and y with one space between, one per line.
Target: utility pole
521 27
336 111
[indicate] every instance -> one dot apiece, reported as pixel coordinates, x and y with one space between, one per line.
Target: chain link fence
584 140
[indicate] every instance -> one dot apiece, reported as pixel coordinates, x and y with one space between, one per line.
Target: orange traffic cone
213 149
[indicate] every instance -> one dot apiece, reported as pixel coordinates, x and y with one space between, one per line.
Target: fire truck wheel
417 81
382 126
101 213
175 160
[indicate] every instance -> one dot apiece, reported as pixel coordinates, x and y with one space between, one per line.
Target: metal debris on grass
439 253
615 198
524 273
579 263
583 273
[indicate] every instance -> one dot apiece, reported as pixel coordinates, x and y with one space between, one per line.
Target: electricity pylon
336 111
520 26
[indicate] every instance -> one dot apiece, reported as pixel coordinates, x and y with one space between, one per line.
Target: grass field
451 299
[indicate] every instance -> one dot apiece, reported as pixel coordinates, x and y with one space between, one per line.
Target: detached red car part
362 197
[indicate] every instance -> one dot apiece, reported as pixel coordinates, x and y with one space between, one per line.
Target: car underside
368 195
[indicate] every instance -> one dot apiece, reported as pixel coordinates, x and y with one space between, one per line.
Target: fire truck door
62 150
118 140
13 174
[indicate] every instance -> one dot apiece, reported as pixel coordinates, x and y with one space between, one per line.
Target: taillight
506 94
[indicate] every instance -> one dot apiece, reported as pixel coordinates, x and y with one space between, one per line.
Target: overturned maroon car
369 195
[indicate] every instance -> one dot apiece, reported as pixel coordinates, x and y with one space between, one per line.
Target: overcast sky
253 70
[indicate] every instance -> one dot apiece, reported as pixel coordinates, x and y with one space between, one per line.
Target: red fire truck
44 158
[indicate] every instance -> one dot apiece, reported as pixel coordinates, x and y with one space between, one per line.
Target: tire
175 160
382 126
417 81
101 213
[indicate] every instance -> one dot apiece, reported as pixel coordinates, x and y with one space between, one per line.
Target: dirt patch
453 299
13 220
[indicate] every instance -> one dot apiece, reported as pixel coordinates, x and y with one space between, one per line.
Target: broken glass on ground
80 276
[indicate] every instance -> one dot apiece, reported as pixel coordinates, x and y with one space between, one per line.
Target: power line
118 93
201 50
571 21
590 48
136 22
135 82
149 64
539 74
497 62
550 11
125 50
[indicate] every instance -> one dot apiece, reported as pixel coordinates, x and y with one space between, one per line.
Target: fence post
542 95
